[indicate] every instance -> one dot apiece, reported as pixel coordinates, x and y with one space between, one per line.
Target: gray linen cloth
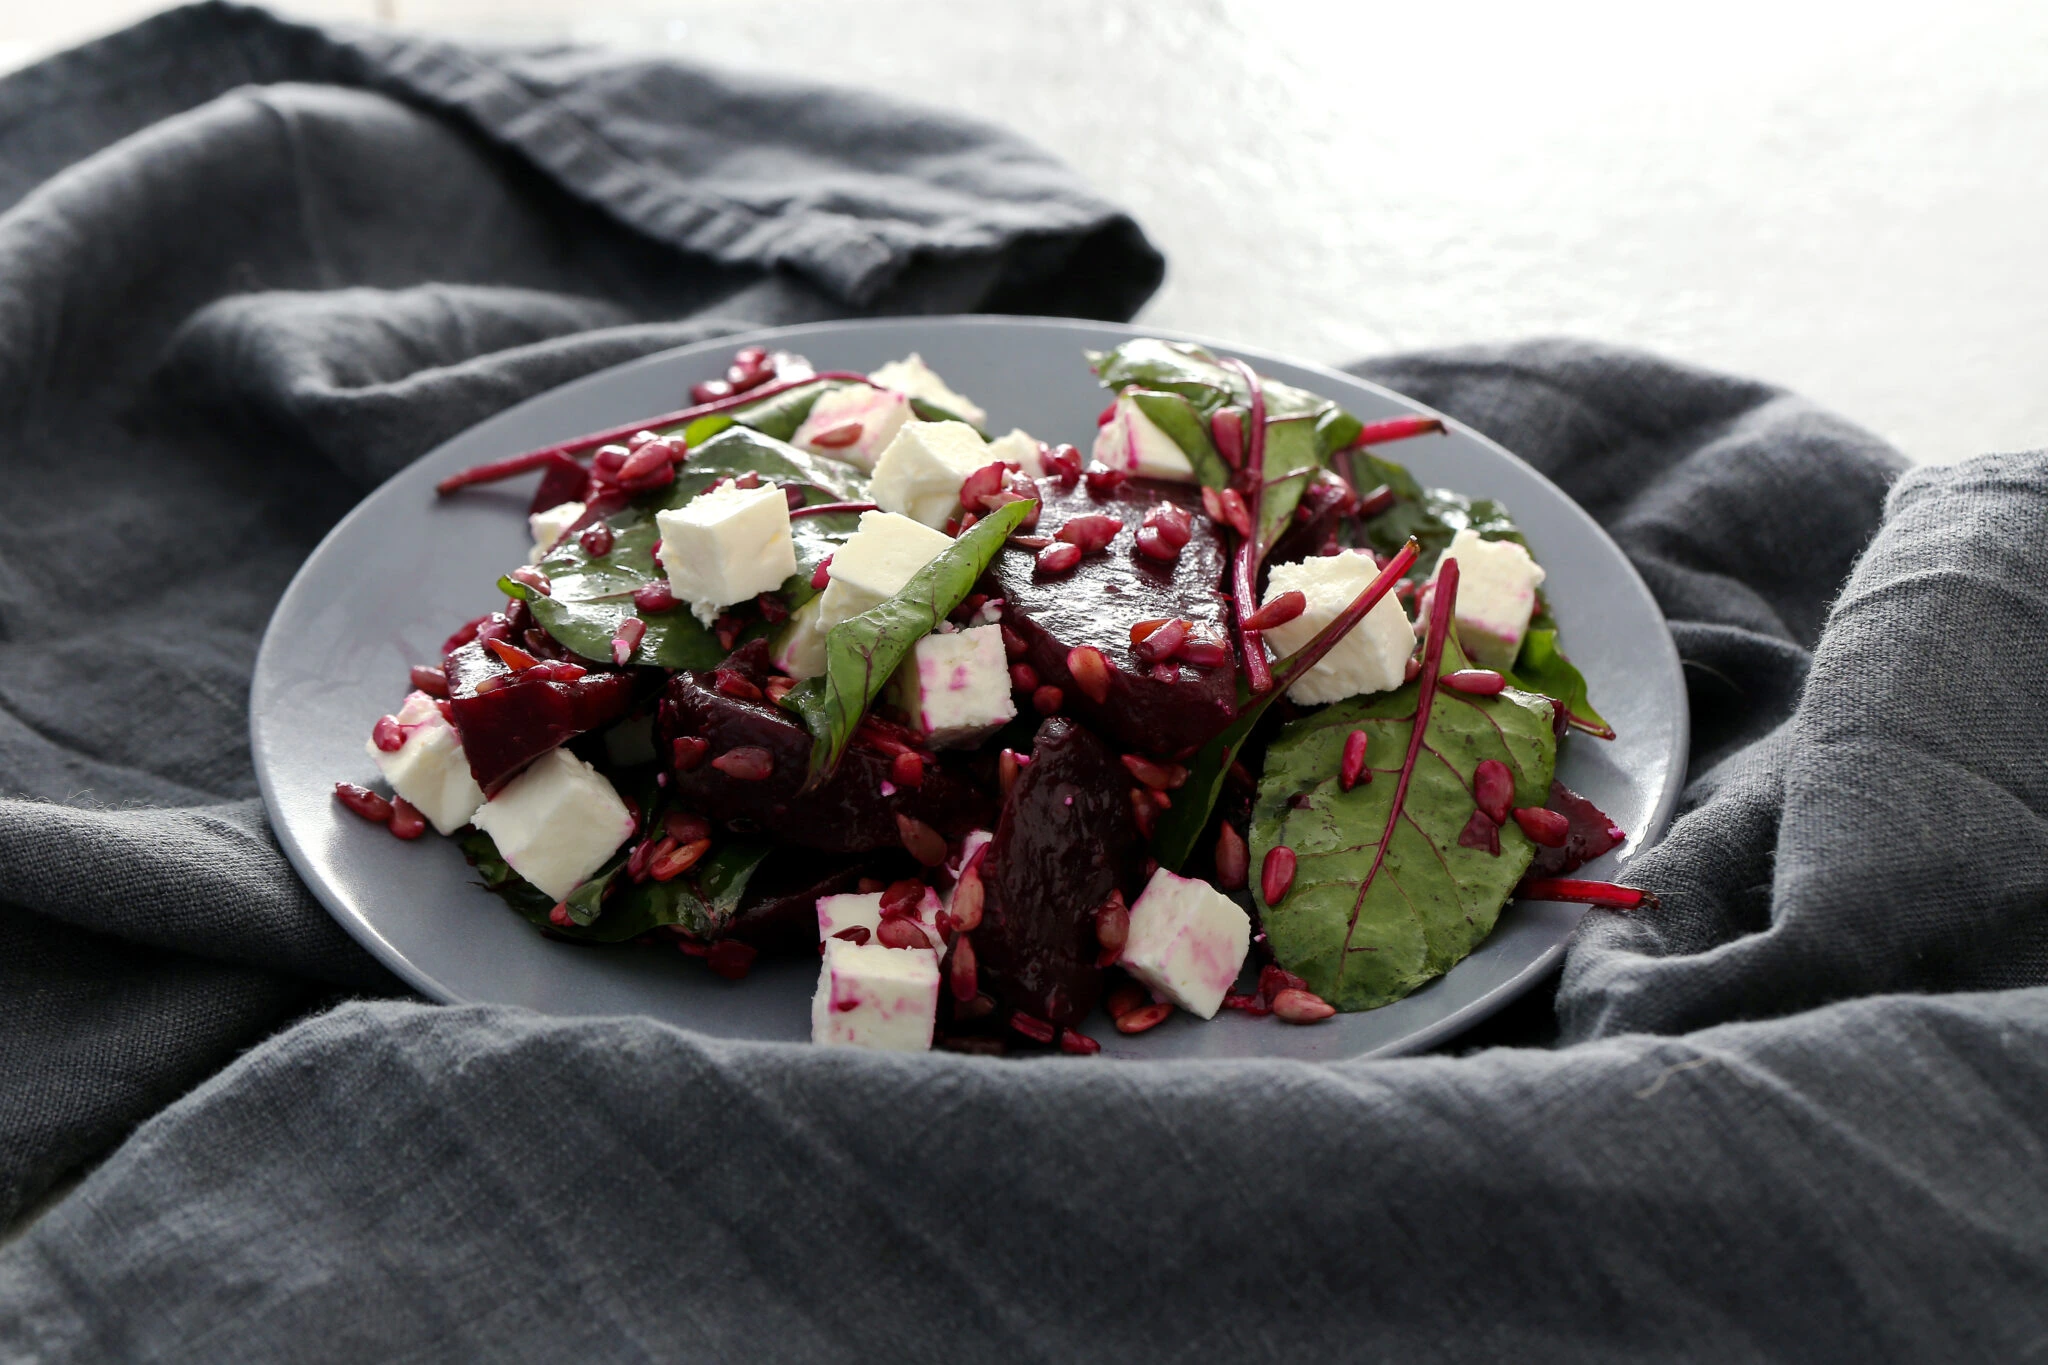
1797 1113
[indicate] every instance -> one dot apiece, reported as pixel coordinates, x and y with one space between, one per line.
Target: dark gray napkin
1835 1149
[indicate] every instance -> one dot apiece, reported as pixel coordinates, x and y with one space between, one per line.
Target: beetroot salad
1229 712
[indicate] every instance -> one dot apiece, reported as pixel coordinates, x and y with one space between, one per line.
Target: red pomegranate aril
1274 979
1302 1007
677 860
513 657
631 631
1353 766
1173 523
1142 630
1143 811
1007 767
1277 612
1013 644
900 932
1547 827
962 972
1376 503
923 842
1143 1017
1493 789
559 670
532 578
609 460
907 770
560 916
1226 428
771 607
730 958
656 596
967 900
430 680
1090 669
685 827
1046 700
1103 482
1059 557
1023 677
387 734
710 391
747 763
1154 545
406 820
1112 928
1077 1044
1412 670
463 635
1159 776
1276 873
1212 504
982 483
821 577
1123 998
857 933
902 896
1162 643
733 684
1062 462
1233 859
753 357
687 752
645 461
1032 1027
596 539
837 438
1476 682
1249 1004
775 689
643 854
363 802
1090 532
1235 513
1203 653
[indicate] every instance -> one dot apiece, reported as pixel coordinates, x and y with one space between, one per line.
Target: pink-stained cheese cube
1134 443
956 688
876 997
864 911
878 413
1187 941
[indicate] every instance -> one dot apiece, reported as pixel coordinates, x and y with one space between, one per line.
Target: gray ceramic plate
406 567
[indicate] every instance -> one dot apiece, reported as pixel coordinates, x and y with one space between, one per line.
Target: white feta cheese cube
912 378
800 648
871 996
875 562
430 770
879 414
1019 448
863 910
547 527
1133 442
1187 942
956 688
1372 658
920 473
557 822
726 545
1497 582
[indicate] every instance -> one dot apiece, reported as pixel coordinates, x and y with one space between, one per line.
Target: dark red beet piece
562 483
515 721
1061 847
1592 834
1104 595
849 814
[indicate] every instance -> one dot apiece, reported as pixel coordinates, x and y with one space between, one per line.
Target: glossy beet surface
1097 602
1592 834
508 727
1063 844
850 814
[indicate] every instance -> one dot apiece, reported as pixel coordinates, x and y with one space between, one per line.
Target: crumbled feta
430 770
1133 442
800 649
920 473
557 822
1019 448
548 527
1372 658
956 688
912 378
1187 941
875 562
863 910
880 414
871 996
1497 582
726 545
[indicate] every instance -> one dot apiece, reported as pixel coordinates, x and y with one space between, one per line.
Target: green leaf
590 594
782 414
1189 429
1195 374
740 450
928 411
1365 929
861 654
1291 461
702 900
1542 667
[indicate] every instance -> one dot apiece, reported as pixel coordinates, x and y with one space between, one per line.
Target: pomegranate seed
1046 700
837 438
1376 502
730 958
1353 766
1480 832
1112 928
1277 612
1250 1004
1155 546
1276 873
1143 1017
656 596
1412 671
1162 643
1302 1007
1127 996
903 896
1091 532
1173 523
632 630
907 770
777 688
532 578
1144 812
925 844
1058 557
901 932
1062 461
1212 504
678 860
1032 1027
513 656
596 539
753 357
684 827
772 610
463 635
732 684
710 391
1274 979
1477 682
1142 630
1013 643
430 680
645 461
1008 766
610 459
1158 776
1023 677
961 971
967 900
1078 1044
560 916
687 752
857 933
1090 671
1547 827
1103 482
363 802
1493 789
1226 428
1203 653
1233 859
387 734
748 763
1032 543
982 483
1235 512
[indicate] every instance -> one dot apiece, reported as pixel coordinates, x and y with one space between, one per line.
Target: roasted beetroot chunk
1592 834
1063 844
1165 708
744 760
779 913
506 722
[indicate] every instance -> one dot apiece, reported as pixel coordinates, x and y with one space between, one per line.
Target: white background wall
1851 200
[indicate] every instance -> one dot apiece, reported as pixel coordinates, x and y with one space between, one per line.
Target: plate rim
1415 1041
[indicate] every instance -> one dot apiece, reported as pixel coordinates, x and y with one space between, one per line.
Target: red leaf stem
1310 654
1394 429
1252 480
1605 894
